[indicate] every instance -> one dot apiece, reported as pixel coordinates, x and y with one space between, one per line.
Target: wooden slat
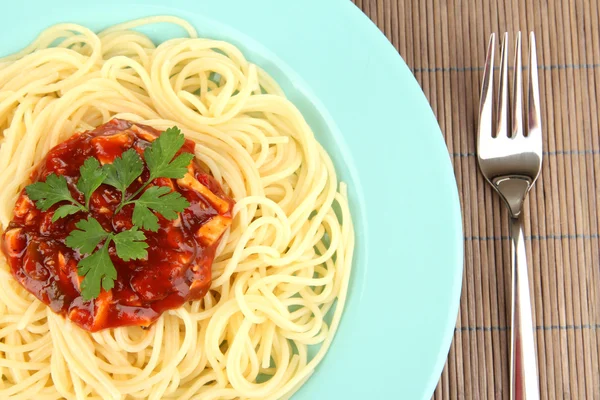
444 43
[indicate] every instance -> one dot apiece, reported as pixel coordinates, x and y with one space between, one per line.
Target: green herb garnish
90 238
123 171
97 268
159 159
159 155
91 178
161 200
55 189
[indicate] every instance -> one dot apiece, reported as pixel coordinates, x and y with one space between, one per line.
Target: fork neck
512 190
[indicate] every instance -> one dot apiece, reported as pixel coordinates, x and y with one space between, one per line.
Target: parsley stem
125 201
82 207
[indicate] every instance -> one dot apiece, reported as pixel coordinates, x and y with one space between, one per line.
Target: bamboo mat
444 43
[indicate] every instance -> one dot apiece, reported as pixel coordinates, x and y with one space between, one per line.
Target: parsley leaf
48 193
160 153
91 178
130 244
160 163
124 170
55 189
144 218
63 211
98 270
160 199
87 236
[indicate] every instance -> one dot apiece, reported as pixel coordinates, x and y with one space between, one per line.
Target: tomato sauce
180 253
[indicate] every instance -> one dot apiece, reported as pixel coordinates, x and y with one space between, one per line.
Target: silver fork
511 161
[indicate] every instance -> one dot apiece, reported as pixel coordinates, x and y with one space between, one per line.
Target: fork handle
523 365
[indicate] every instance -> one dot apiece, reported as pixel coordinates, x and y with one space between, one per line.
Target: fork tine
485 126
534 124
503 99
517 112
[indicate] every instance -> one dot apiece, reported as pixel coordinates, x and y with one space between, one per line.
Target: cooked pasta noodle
281 268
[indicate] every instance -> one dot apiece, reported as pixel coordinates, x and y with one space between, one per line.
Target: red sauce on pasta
180 253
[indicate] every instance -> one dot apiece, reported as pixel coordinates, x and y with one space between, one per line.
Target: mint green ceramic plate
369 112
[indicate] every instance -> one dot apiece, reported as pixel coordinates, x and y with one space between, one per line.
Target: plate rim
363 22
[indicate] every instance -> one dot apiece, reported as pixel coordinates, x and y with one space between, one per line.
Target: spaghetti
279 270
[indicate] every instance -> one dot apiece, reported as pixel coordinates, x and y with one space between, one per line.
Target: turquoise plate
369 112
